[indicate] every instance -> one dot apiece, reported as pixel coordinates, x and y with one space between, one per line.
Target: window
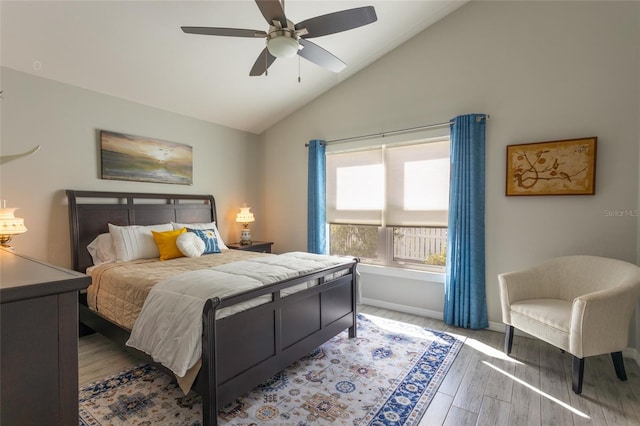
389 205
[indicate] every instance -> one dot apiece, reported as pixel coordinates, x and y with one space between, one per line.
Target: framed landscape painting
135 158
565 167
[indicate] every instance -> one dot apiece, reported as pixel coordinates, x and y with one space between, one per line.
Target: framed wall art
564 167
135 158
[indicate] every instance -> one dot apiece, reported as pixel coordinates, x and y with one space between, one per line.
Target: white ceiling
135 50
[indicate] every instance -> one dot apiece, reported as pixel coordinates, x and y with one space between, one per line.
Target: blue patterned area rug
388 375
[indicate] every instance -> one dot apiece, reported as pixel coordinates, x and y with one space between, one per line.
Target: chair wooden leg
508 338
578 372
618 364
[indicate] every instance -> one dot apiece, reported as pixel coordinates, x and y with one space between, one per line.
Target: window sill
413 274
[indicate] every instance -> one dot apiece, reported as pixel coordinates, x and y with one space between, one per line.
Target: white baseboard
493 326
402 308
632 353
496 326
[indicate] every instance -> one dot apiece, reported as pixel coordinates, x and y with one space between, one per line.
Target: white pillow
190 244
209 225
102 250
135 241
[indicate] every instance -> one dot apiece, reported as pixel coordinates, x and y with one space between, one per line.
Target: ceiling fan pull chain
299 69
266 64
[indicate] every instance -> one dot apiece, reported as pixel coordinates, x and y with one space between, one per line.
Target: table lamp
245 217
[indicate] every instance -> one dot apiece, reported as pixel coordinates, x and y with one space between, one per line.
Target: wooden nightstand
259 246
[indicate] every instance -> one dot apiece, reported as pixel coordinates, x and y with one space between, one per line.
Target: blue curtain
316 189
465 300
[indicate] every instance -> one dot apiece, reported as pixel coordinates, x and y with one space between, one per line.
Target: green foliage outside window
354 240
438 259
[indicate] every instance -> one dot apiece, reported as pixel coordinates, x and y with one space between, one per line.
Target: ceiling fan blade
229 32
264 61
316 54
272 11
338 21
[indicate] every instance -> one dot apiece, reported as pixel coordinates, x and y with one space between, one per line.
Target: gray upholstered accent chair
580 304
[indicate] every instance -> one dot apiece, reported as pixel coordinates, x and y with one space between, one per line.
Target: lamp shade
245 216
9 224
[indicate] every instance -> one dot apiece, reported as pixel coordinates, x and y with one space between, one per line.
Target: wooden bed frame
242 350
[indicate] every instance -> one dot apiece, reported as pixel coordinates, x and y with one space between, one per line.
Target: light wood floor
483 387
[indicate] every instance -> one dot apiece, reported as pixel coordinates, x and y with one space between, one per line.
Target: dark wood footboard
245 349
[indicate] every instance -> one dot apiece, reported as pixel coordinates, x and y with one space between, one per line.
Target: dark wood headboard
90 212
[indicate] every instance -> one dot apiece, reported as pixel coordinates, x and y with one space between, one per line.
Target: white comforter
169 327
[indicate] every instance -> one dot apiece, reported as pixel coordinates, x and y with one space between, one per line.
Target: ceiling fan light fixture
282 44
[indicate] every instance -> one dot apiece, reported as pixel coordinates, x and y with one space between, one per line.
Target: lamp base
245 237
4 242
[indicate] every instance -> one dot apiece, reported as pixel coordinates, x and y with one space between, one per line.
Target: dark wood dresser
38 341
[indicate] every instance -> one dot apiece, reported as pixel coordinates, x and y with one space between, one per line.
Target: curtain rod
394 132
383 134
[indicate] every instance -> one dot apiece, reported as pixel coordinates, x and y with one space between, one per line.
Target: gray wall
543 71
66 120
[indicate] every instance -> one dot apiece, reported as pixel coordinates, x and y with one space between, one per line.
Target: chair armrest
600 320
517 286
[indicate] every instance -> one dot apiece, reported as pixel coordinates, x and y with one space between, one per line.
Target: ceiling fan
284 39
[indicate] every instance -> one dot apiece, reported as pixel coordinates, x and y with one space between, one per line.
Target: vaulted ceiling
135 50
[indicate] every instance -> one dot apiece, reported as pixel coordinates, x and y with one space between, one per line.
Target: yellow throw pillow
166 242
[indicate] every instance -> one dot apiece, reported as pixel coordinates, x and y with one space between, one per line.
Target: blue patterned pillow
209 238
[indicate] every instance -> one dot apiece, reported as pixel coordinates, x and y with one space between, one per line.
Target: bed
239 351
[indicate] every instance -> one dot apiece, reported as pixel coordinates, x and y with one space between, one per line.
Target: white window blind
417 184
396 186
355 187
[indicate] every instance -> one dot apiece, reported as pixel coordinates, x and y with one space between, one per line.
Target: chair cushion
546 319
